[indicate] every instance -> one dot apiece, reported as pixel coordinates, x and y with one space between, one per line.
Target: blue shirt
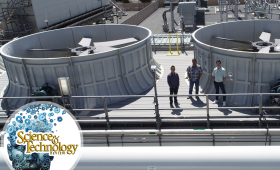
219 74
173 80
194 72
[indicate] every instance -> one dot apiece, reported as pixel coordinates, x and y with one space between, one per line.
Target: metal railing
142 15
207 118
133 6
118 6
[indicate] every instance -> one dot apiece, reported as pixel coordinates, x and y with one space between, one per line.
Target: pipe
182 131
166 158
87 133
172 17
136 96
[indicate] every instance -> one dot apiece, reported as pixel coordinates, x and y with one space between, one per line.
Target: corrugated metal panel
59 10
252 72
118 72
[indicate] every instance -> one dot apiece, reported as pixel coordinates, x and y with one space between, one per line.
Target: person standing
219 77
174 83
194 74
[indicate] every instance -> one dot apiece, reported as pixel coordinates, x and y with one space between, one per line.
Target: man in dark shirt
174 83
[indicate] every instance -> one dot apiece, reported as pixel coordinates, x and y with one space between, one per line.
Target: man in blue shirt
194 74
219 75
174 83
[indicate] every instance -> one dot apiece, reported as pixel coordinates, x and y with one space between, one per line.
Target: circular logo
42 135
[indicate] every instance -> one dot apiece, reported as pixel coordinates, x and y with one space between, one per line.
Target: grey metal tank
121 71
253 72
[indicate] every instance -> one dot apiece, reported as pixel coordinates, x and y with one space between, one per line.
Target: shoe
224 104
215 101
189 97
177 103
197 97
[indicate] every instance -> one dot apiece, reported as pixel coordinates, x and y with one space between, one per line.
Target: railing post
158 120
227 12
55 100
106 112
154 44
260 111
207 110
7 107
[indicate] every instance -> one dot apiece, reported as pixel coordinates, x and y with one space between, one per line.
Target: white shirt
219 74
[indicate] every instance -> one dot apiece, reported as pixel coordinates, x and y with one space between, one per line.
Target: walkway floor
180 62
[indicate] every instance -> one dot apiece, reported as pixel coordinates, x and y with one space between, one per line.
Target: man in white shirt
219 77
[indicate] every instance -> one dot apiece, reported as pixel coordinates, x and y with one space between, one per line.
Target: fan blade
238 41
243 49
277 48
264 50
62 49
277 41
84 53
265 36
85 42
62 54
116 42
103 48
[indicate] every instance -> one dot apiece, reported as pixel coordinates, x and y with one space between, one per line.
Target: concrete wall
59 10
252 72
123 71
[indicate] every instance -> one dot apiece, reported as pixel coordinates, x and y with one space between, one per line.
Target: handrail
260 117
118 96
118 7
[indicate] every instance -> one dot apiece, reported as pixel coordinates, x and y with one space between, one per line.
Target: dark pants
173 91
196 86
222 86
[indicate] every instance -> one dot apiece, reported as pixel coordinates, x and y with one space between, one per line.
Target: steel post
235 10
172 17
260 110
260 105
7 108
207 110
221 13
227 12
106 112
154 44
183 49
246 10
156 102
